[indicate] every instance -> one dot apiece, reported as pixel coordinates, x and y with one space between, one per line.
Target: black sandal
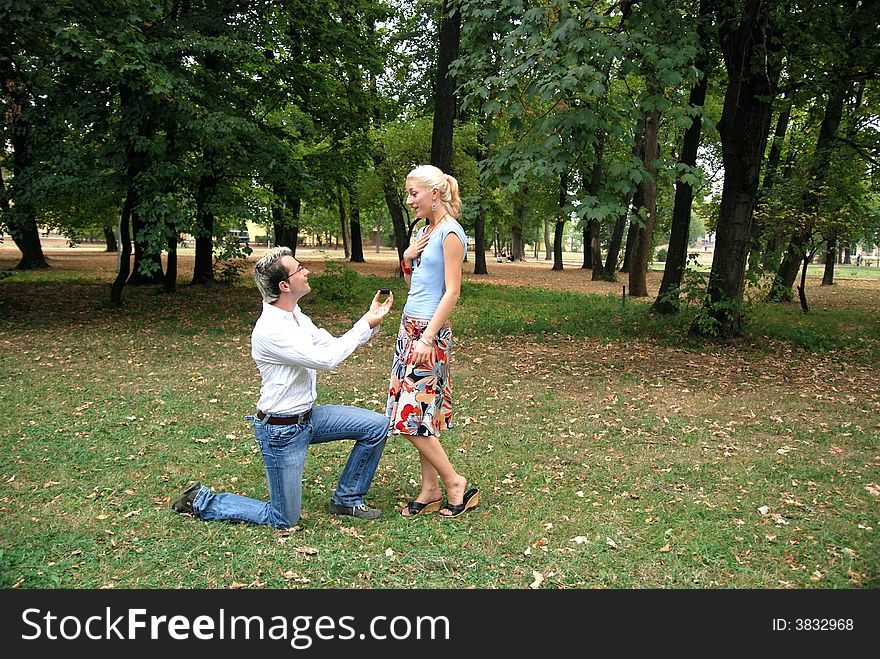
471 499
416 507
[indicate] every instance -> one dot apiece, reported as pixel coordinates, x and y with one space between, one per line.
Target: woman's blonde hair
430 177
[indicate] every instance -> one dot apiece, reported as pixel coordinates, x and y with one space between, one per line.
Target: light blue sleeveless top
428 280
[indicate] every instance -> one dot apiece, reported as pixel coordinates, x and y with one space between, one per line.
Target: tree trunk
343 221
517 248
286 226
638 286
667 301
357 244
775 249
203 268
147 267
23 218
560 222
785 276
786 273
395 209
480 221
169 284
610 269
802 289
444 89
586 233
773 158
480 242
632 233
830 258
548 248
390 187
591 233
632 238
277 223
26 237
110 240
769 253
752 68
123 259
557 244
23 225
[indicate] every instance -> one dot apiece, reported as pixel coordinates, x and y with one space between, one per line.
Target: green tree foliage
195 116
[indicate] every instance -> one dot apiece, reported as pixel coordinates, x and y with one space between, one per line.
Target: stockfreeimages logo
300 631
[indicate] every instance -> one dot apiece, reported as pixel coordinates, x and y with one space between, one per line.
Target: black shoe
362 511
184 504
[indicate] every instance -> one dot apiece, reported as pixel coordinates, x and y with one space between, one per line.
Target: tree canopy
154 118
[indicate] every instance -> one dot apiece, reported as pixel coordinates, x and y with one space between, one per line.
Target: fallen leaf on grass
779 519
579 539
873 488
293 576
306 550
665 548
236 585
764 510
538 580
610 543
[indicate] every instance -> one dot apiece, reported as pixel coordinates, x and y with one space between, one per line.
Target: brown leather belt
285 420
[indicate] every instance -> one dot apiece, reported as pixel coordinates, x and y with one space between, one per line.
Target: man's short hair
269 273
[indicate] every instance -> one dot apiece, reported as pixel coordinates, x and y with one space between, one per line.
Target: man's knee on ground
282 522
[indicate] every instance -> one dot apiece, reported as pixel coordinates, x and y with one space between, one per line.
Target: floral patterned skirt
420 397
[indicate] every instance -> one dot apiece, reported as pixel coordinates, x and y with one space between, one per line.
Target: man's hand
378 310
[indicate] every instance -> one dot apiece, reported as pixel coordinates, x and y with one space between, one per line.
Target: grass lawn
611 449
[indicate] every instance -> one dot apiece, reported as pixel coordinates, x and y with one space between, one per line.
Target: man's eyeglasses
301 266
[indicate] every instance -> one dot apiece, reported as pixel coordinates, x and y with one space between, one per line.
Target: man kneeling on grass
288 349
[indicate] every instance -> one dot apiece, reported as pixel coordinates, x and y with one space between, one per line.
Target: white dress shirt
288 349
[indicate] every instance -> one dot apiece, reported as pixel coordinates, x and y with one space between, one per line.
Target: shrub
229 271
339 282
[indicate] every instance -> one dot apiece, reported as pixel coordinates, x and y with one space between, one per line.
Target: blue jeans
284 449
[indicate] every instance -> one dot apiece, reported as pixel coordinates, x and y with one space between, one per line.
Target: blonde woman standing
420 391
